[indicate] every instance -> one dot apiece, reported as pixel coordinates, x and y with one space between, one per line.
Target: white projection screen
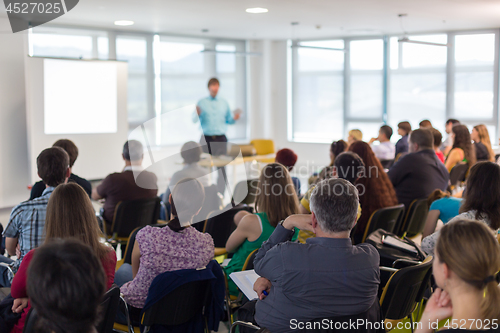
81 100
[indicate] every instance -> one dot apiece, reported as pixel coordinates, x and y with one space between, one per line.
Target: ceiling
317 18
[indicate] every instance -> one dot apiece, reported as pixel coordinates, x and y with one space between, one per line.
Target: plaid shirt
27 222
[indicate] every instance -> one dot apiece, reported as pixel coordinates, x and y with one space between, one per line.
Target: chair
414 221
220 224
458 174
386 164
213 201
405 289
384 218
248 325
264 147
130 215
248 265
246 189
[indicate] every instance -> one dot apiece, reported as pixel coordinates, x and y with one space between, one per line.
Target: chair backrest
416 216
179 306
213 201
220 224
246 189
385 218
135 213
109 307
458 173
404 289
263 146
386 164
248 265
30 321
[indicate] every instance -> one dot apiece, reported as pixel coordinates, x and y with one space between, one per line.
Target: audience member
276 200
481 199
66 284
132 183
326 277
172 247
68 202
442 206
448 143
482 143
465 268
354 135
27 220
337 148
462 149
420 172
438 137
376 187
288 158
72 150
404 129
386 149
425 124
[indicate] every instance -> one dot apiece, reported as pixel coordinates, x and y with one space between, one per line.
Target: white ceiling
228 19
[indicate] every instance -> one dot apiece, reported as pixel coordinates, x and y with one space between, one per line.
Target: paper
225 262
397 243
244 281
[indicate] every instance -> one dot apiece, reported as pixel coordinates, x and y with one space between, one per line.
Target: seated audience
66 284
482 143
72 150
173 247
69 215
276 200
481 199
420 172
190 152
425 124
126 185
25 230
465 268
404 129
288 158
324 278
442 206
448 143
462 149
375 187
337 148
354 135
438 137
386 149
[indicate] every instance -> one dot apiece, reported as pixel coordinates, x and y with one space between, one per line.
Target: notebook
244 281
398 243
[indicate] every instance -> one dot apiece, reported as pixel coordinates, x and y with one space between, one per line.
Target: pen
265 293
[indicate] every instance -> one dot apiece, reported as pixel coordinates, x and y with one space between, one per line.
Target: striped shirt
27 222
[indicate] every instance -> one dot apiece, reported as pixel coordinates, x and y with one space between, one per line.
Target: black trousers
219 147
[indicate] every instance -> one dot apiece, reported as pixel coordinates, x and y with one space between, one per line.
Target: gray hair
335 204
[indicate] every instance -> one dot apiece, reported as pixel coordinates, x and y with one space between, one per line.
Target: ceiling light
407 40
124 22
257 10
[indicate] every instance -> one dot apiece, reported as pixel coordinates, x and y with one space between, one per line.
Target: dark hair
348 166
463 141
287 157
213 81
405 126
438 137
425 123
52 165
70 148
65 284
189 195
336 148
133 150
436 195
482 194
423 138
191 152
453 121
387 130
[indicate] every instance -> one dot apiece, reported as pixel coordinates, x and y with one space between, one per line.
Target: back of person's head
65 284
482 192
356 134
423 138
425 124
452 121
52 165
438 137
484 138
463 140
133 150
276 194
188 197
436 195
405 126
191 152
337 148
335 203
287 157
472 253
68 147
387 131
348 166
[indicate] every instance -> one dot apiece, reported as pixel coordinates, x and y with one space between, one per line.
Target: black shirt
39 187
482 153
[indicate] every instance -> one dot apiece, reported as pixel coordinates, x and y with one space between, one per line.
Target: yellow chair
264 147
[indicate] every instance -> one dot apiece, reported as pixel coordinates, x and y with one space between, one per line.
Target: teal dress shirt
215 115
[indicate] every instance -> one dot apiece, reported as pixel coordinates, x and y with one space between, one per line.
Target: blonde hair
470 250
276 194
356 134
484 138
